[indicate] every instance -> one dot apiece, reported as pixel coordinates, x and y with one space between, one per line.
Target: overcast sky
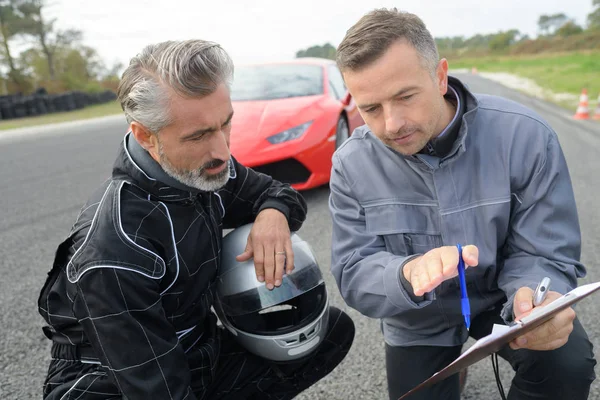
264 30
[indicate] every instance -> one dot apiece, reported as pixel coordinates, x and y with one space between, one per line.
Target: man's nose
394 121
219 146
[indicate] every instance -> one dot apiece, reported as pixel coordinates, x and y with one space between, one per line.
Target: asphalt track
47 172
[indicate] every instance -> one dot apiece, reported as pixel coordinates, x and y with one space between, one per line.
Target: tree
503 40
76 67
11 25
325 51
114 71
450 43
478 41
111 76
593 18
569 28
48 38
543 23
549 24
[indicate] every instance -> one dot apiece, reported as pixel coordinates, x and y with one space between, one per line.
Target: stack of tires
41 103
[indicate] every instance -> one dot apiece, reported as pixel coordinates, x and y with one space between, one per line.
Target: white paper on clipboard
503 334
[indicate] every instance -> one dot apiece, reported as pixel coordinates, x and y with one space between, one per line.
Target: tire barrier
40 103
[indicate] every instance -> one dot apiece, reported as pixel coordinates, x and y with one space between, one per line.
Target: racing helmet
282 324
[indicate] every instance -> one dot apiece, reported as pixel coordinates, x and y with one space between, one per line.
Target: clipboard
503 334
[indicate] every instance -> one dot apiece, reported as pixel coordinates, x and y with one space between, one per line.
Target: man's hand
428 271
552 334
270 244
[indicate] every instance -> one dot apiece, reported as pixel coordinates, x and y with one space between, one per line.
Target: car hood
254 121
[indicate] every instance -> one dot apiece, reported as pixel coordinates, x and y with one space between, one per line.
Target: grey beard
196 178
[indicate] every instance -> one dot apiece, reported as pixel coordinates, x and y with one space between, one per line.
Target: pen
541 291
464 298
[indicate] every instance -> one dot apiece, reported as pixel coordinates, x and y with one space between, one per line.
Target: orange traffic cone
474 70
583 111
597 111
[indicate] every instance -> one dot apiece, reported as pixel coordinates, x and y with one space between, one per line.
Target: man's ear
441 74
146 139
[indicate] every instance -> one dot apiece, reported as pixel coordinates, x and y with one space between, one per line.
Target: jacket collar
460 144
134 163
472 105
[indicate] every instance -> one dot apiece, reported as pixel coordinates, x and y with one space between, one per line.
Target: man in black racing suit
128 300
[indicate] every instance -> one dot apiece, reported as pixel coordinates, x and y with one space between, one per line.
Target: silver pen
541 292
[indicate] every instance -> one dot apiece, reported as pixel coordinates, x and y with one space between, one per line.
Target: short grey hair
190 68
376 31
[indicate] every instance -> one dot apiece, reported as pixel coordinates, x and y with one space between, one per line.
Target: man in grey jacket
436 165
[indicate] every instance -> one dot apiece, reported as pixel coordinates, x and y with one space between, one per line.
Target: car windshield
269 82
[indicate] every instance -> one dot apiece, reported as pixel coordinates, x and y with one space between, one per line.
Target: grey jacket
504 187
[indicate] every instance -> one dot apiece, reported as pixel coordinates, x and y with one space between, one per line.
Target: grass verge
560 73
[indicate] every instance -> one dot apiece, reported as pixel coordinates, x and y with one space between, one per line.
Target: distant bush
589 40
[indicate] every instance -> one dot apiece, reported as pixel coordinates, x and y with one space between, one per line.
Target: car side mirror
346 99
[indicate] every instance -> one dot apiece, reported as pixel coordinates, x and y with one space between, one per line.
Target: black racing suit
128 300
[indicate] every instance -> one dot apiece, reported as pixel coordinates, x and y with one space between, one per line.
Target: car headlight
289 134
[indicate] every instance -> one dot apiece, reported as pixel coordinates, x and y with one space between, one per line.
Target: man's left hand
270 244
552 334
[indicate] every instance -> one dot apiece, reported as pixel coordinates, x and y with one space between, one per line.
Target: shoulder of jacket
117 237
360 142
496 106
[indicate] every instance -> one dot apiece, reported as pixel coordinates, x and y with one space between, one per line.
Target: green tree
110 76
549 24
503 40
569 28
450 43
76 67
11 25
543 24
478 41
325 51
593 18
48 38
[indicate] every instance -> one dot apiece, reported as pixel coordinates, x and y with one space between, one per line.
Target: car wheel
342 132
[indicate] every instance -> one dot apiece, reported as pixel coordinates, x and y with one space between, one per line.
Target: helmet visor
301 280
286 317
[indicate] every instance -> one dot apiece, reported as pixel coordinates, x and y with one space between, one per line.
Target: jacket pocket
60 260
407 229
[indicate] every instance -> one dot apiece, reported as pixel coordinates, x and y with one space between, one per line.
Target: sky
269 30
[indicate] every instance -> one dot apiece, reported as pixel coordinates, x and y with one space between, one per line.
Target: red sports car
290 117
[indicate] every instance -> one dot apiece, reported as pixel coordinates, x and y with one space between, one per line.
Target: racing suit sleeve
249 192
